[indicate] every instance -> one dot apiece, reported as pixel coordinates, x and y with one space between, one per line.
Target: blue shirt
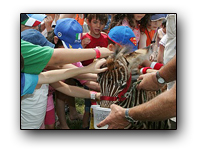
28 83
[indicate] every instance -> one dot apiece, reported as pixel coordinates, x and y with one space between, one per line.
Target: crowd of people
61 53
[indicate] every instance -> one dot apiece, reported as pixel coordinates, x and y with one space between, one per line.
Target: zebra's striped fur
113 81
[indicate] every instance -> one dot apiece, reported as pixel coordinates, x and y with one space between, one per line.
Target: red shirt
102 41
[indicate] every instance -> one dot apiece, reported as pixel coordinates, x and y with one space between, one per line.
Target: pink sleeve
79 64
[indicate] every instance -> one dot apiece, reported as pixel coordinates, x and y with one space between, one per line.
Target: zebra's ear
137 57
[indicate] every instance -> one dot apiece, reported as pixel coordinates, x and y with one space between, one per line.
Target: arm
86 76
143 39
168 72
160 54
64 56
73 91
159 108
57 75
149 81
93 85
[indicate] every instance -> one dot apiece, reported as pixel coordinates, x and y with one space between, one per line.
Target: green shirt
35 57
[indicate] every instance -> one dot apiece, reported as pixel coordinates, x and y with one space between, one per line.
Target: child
32 114
31 21
69 31
124 36
95 38
121 36
130 20
149 25
161 31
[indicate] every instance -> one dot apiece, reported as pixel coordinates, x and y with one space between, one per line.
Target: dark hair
102 17
111 42
50 38
145 21
21 62
118 18
164 23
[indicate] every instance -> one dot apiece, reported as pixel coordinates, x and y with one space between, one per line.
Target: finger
104 69
102 123
140 77
102 61
112 106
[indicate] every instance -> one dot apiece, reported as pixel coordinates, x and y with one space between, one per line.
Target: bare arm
64 56
73 91
160 54
57 75
86 76
159 108
149 81
143 39
168 71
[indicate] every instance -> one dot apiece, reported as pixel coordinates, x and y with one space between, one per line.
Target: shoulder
104 35
86 35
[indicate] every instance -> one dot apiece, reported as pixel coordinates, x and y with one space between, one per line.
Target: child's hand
97 96
48 21
95 66
85 42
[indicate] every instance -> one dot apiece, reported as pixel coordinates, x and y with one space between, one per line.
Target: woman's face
138 16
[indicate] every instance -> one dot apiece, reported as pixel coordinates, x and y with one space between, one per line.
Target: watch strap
131 120
159 77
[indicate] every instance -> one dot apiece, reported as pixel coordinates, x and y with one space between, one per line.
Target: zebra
116 85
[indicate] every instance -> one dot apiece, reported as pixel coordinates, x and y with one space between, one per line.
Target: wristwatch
159 78
131 120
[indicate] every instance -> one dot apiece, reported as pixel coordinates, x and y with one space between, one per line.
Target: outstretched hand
116 119
95 66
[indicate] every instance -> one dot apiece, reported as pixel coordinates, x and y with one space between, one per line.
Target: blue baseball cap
123 35
158 16
69 31
35 37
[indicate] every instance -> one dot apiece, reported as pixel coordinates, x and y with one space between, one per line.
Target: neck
94 35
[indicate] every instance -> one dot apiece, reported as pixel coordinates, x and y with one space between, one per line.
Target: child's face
156 24
96 27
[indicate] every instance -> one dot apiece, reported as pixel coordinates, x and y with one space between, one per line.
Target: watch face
161 80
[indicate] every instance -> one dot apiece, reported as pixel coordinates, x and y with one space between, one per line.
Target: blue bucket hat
35 37
123 35
158 16
69 31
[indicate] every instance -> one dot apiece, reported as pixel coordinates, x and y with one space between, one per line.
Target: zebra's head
120 65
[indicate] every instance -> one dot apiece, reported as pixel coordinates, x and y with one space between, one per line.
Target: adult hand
116 119
149 82
95 66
